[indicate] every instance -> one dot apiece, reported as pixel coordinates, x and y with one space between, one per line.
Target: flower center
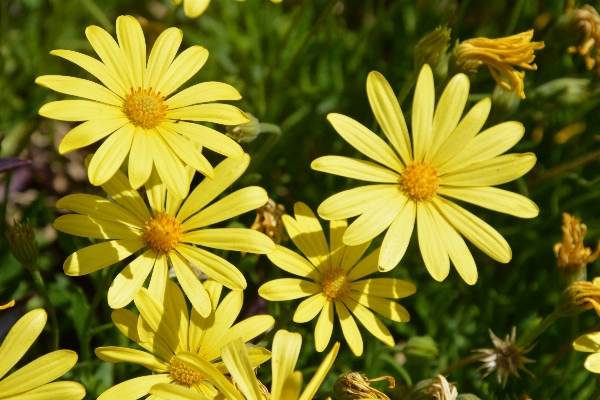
184 374
420 181
162 233
144 108
336 284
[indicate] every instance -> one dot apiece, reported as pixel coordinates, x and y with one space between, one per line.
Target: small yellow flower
132 109
166 329
587 21
170 233
195 8
285 385
34 380
337 286
448 159
500 55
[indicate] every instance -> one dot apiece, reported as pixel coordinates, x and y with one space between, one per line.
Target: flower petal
109 52
315 382
170 169
589 343
336 232
370 321
592 363
356 169
133 45
237 239
98 256
80 110
189 154
288 289
182 69
217 113
207 137
90 132
494 199
222 320
114 354
384 287
175 392
135 388
286 349
160 275
162 54
80 88
349 328
204 92
235 356
308 225
20 338
247 330
431 245
85 226
140 158
396 239
293 263
176 306
99 208
422 113
63 390
309 308
194 9
156 193
494 171
111 154
353 202
353 254
190 284
214 266
388 114
367 266
164 323
130 280
120 190
324 326
386 307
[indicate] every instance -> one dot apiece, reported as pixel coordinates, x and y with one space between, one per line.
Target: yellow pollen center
145 108
420 181
184 374
162 233
336 284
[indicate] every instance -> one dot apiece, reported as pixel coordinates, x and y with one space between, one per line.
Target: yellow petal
365 141
188 154
183 68
353 254
349 328
99 208
237 239
207 137
375 220
589 343
140 158
98 256
386 307
293 263
356 169
353 202
213 112
130 280
156 192
82 225
319 376
448 112
494 171
80 88
160 276
63 390
20 338
292 386
158 318
190 284
370 321
422 113
38 372
309 308
175 392
324 326
367 266
464 132
431 244
384 287
120 190
489 143
169 167
234 204
308 224
224 317
7 305
111 154
214 266
247 330
388 114
478 232
336 231
309 242
396 239
79 110
114 354
176 306
96 68
133 45
109 52
90 132
195 8
494 199
286 348
288 289
135 388
204 92
162 54
257 356
592 363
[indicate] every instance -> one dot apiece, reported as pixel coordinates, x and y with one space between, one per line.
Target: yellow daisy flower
133 111
168 330
34 380
336 272
447 159
195 8
167 233
286 382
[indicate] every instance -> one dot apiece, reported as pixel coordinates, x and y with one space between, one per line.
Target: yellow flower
168 233
133 111
448 159
286 382
336 272
34 380
500 55
590 343
195 8
167 331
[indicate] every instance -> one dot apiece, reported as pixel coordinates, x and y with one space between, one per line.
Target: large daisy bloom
337 286
286 382
168 330
132 109
195 8
170 233
448 159
34 380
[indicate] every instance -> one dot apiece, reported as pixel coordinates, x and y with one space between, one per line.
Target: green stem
530 336
460 363
41 288
408 85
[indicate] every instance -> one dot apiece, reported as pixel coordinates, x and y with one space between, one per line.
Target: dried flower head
500 55
440 389
505 357
354 385
587 21
578 297
571 253
268 221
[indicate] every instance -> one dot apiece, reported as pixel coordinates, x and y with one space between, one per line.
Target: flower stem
41 288
461 363
531 335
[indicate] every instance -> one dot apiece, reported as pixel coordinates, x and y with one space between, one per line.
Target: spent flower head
571 254
505 358
587 21
354 385
441 389
500 55
578 297
22 243
268 221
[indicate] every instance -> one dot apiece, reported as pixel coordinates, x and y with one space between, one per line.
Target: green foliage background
293 63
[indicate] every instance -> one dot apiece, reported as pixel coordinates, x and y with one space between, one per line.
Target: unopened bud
420 349
432 48
245 133
354 385
23 245
578 297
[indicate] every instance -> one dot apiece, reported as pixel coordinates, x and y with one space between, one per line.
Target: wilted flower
505 358
354 385
268 221
500 55
587 21
579 297
23 245
440 389
432 47
571 255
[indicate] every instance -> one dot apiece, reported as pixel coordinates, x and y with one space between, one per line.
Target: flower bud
420 349
245 132
23 245
578 297
432 48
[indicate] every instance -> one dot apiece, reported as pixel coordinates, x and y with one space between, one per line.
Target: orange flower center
336 284
145 108
162 233
420 181
184 374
